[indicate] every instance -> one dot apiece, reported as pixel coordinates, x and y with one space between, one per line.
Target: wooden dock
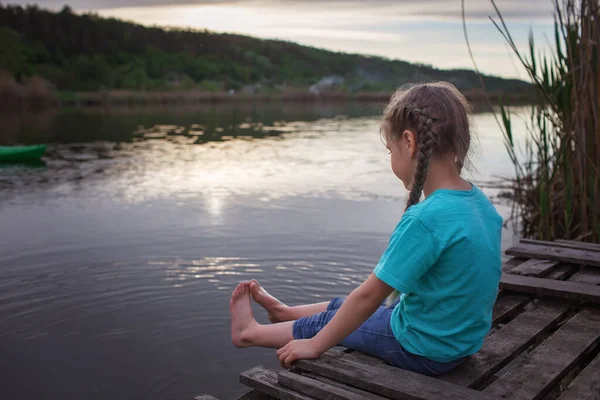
544 343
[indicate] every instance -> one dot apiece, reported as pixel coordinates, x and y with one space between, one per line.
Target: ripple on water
156 234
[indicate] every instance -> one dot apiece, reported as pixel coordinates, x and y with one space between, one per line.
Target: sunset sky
425 31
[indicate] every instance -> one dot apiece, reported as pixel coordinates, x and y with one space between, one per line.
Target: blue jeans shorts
374 337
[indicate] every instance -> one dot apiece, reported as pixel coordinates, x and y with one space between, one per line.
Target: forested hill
86 52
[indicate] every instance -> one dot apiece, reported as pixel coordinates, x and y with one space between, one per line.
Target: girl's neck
443 174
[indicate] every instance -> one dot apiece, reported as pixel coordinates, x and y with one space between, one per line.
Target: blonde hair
438 115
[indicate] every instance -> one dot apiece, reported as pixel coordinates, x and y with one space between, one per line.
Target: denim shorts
374 337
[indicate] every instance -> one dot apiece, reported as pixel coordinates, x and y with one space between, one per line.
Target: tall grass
557 185
32 95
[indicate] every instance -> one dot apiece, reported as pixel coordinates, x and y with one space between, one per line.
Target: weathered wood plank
563 254
512 263
568 244
385 380
561 272
548 287
367 359
510 304
255 395
507 306
574 244
535 267
587 384
564 271
265 380
589 276
551 360
504 345
338 384
321 390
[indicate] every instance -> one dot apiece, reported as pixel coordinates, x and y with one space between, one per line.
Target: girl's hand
297 349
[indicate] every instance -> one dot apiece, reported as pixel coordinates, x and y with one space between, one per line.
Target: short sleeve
412 250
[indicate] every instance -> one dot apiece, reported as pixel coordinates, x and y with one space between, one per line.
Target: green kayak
16 154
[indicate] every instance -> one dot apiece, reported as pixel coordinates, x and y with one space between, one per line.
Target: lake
119 255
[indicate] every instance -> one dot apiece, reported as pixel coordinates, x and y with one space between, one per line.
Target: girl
444 257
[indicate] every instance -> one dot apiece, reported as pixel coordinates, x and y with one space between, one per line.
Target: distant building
326 84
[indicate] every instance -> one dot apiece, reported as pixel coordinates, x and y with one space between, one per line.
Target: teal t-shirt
445 258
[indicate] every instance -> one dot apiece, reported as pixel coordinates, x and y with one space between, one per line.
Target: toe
245 289
237 291
253 286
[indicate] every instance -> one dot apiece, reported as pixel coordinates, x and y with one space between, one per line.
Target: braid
427 140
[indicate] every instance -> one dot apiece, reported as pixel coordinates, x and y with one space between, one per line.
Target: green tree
91 73
13 55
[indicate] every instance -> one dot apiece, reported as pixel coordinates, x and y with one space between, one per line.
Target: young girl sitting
444 257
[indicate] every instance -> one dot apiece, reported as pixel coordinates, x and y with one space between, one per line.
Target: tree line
86 52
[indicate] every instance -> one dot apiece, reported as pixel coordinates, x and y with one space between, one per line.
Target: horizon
429 32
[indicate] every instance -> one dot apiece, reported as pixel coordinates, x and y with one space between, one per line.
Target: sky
423 31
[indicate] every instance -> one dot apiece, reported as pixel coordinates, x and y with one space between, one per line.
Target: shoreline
109 98
91 99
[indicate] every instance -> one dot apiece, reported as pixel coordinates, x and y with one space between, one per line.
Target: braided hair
427 140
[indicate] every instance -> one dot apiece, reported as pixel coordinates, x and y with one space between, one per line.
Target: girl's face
403 156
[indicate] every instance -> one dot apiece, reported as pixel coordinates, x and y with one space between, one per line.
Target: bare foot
274 307
242 319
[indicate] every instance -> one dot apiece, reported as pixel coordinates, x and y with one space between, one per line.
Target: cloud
425 9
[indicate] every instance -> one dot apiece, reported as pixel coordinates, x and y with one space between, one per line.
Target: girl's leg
246 332
374 337
279 312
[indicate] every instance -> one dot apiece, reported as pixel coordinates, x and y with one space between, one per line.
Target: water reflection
119 255
204 122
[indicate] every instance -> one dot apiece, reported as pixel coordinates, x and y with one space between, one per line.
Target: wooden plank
265 380
561 272
587 384
321 390
563 254
357 356
568 244
510 304
574 244
339 384
589 276
385 380
535 267
551 360
505 344
548 287
255 395
507 306
512 263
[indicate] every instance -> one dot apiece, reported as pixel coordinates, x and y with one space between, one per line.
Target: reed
32 95
557 185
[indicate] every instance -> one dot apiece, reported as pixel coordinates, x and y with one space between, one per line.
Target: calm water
119 255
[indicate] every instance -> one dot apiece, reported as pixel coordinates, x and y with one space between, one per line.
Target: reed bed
32 95
557 184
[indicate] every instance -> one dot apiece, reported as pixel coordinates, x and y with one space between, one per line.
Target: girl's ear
410 141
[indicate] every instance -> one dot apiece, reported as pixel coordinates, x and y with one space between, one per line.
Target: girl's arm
356 309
